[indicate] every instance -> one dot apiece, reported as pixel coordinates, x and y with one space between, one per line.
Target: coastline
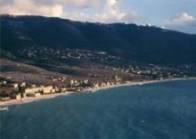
44 97
136 83
33 99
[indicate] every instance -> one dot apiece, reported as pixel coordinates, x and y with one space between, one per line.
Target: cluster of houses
19 91
98 85
36 91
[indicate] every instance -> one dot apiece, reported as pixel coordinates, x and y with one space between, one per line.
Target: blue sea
152 111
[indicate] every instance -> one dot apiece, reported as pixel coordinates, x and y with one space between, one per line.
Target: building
37 94
4 98
23 84
33 90
74 83
18 97
48 90
96 85
37 91
64 90
15 85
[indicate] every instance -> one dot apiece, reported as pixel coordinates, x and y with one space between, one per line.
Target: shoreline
32 99
140 83
91 90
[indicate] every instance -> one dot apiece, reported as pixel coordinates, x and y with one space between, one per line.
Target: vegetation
133 43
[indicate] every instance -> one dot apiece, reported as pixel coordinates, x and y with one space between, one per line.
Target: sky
177 15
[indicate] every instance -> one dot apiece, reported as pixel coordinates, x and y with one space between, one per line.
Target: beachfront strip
20 91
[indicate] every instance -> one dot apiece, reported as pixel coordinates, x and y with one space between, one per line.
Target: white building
18 97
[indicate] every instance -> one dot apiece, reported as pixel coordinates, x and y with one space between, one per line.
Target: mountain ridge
135 43
91 51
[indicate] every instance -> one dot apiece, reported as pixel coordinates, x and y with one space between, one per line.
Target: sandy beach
43 97
33 99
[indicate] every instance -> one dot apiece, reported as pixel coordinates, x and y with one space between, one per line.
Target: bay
153 111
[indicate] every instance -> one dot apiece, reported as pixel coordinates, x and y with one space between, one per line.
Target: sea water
153 111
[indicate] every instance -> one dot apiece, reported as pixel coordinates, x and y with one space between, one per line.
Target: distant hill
140 44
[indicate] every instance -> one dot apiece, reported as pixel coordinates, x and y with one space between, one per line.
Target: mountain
133 43
53 49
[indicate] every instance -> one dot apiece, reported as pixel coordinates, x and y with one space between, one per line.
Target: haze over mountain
131 42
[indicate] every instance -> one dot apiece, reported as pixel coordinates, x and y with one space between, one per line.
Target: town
12 90
18 91
48 71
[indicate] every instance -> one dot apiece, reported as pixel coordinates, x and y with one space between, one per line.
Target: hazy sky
173 14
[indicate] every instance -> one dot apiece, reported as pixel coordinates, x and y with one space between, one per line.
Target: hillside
93 51
59 55
132 43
